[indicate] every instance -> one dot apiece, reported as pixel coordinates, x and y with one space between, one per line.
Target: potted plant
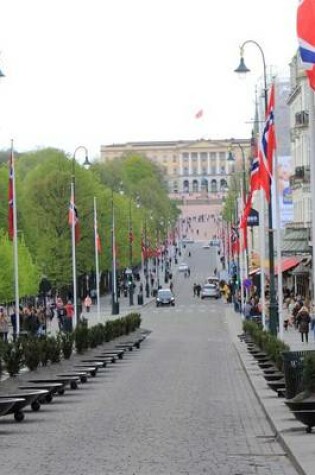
31 348
66 344
13 357
54 349
81 338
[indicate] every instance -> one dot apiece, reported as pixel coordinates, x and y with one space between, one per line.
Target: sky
98 72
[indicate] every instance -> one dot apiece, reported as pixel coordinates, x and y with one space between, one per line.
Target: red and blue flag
305 26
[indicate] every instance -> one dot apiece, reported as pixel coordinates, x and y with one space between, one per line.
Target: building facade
300 143
192 166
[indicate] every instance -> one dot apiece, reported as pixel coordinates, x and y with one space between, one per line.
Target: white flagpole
262 255
74 266
97 267
241 260
15 247
312 164
278 244
114 283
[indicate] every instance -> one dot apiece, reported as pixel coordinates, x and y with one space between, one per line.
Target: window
174 158
175 171
185 157
194 156
213 156
203 156
195 186
185 170
213 186
204 171
194 171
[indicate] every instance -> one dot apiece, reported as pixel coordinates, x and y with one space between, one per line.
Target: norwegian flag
243 221
268 146
306 37
11 197
235 241
73 217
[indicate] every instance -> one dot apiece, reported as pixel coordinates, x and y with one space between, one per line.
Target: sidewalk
291 433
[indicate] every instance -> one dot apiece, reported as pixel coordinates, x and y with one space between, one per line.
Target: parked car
206 246
215 242
183 267
212 279
210 291
165 297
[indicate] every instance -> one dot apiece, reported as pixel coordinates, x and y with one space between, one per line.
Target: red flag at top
11 197
199 114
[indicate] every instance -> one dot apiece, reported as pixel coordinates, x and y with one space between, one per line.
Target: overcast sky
93 72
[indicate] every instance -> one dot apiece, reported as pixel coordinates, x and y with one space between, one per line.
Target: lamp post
73 231
146 270
130 282
242 69
115 303
233 141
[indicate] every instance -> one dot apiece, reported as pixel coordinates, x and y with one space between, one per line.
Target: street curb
278 436
237 345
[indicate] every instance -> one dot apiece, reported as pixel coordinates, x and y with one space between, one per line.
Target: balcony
301 177
301 119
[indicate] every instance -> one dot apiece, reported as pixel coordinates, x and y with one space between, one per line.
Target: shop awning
287 263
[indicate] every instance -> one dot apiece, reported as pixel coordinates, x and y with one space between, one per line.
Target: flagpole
278 245
74 266
15 247
97 267
241 259
262 244
115 303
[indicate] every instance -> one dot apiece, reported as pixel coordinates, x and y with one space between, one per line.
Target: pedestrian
195 289
198 290
171 286
69 313
4 325
60 312
303 321
188 271
247 310
93 296
312 315
87 303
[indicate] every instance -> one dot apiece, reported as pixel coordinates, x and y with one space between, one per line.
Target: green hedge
32 351
266 342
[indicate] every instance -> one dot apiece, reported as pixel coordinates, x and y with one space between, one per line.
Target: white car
183 267
210 291
206 246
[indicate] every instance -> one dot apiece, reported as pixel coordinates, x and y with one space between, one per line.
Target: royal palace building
190 166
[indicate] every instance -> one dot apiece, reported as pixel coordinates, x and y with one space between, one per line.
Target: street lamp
115 302
242 69
130 282
73 231
146 270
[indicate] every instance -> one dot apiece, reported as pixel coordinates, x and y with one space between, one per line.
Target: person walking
69 313
195 289
303 321
4 325
87 303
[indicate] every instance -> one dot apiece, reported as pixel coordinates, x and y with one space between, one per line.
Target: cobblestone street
182 404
